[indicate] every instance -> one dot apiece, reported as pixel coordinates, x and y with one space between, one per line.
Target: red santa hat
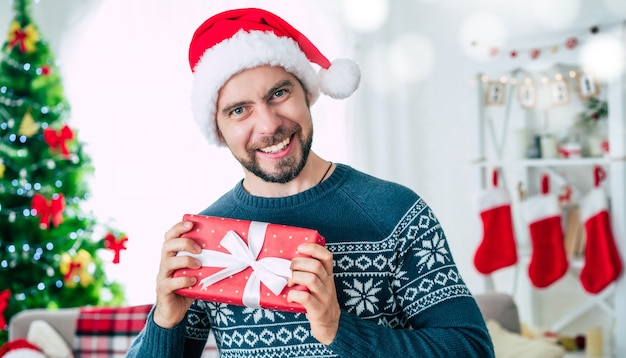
20 348
235 40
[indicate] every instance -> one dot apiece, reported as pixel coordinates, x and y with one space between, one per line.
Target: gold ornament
2 169
28 127
76 269
25 38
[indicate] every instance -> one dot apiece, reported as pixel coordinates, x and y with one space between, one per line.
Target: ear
220 138
309 98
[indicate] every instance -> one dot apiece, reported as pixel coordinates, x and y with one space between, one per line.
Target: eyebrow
284 83
226 110
277 86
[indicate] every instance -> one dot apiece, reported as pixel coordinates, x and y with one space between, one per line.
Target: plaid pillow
108 332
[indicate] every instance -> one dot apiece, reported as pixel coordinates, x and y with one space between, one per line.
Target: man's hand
170 307
316 273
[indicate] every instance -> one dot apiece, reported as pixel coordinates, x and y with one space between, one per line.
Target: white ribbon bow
274 272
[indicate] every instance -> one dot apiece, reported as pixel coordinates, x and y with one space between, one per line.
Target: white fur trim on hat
242 51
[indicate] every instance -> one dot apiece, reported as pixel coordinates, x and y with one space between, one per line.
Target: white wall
127 79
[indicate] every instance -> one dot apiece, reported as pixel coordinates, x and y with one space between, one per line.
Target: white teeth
276 147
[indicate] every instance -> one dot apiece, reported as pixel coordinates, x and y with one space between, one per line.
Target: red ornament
571 43
493 51
513 54
58 140
110 242
4 303
45 70
52 209
534 53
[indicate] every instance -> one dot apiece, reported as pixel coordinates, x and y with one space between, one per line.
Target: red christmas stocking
497 248
602 260
548 261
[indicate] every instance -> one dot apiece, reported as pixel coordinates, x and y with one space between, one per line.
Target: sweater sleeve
154 341
451 335
186 339
439 315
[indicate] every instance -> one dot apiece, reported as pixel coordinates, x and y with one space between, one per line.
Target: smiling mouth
276 147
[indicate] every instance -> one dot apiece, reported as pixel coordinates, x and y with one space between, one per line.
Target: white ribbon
274 272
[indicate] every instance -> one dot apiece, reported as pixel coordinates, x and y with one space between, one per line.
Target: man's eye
237 111
279 93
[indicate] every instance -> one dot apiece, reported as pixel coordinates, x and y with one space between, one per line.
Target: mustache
279 135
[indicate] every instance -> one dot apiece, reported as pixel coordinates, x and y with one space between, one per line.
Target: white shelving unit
501 142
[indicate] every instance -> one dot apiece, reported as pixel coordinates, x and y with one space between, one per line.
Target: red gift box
245 263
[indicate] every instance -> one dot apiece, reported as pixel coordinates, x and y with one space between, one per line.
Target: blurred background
413 120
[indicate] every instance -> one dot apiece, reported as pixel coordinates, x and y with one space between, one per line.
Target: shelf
505 132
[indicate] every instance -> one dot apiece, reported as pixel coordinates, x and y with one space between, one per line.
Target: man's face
263 117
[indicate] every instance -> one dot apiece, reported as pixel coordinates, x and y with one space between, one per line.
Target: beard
287 168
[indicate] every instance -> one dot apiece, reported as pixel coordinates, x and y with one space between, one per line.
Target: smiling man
384 285
263 117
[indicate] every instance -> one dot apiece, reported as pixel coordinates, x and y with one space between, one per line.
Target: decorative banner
527 95
52 209
58 140
495 93
534 52
110 242
559 85
559 91
26 38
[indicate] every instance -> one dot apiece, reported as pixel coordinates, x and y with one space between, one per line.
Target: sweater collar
315 193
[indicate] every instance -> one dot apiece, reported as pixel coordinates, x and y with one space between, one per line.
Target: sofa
103 332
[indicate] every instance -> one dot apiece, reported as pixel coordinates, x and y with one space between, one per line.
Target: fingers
320 253
312 271
170 262
171 307
178 229
321 304
174 243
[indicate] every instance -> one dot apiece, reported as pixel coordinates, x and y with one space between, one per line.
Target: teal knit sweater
398 286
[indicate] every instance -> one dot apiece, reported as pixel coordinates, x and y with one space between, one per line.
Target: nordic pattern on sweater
397 284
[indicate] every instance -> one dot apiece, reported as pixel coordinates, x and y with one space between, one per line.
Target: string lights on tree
49 244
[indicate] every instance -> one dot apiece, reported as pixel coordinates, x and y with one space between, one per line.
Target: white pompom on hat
235 40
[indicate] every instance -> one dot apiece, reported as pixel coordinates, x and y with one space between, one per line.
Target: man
385 284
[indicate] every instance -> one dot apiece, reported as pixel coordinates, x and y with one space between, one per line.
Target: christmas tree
49 244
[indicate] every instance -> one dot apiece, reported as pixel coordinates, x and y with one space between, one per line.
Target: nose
268 120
